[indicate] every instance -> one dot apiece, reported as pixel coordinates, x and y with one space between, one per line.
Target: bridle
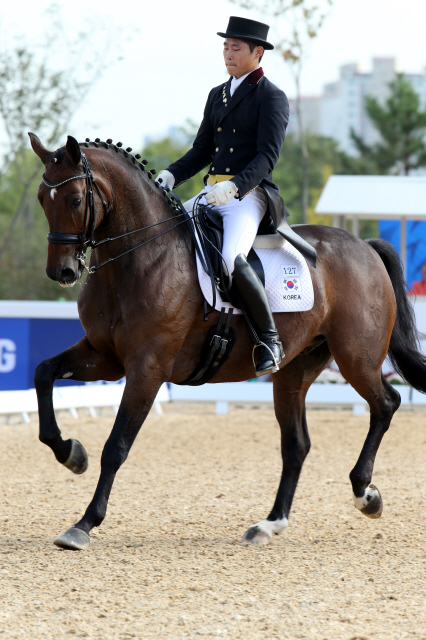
82 239
86 240
79 238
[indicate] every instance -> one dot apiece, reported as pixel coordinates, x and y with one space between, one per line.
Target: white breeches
241 220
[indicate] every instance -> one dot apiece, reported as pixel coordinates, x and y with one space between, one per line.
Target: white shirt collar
235 83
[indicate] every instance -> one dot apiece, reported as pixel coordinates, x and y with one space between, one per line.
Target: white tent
374 197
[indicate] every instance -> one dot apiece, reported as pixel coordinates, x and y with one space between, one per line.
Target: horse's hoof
256 535
371 503
262 532
74 538
78 460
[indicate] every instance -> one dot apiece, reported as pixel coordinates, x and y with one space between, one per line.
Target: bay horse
143 317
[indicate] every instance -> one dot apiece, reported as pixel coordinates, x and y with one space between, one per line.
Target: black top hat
244 29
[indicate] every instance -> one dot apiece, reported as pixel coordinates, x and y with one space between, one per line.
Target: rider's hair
252 45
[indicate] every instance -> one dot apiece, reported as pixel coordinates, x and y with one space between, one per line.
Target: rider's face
238 58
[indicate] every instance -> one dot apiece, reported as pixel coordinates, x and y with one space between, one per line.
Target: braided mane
133 160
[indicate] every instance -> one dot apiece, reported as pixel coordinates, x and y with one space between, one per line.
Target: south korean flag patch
291 280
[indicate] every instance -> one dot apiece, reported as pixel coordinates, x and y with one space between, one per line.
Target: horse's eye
76 203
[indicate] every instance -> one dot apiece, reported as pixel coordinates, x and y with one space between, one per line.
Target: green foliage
402 128
32 98
324 160
161 153
24 252
288 173
35 97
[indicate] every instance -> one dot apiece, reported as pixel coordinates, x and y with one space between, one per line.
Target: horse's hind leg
79 362
290 387
364 374
383 404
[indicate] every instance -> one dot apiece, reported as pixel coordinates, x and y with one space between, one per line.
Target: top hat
244 29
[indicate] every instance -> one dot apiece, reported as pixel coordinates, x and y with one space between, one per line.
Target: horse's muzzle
66 274
68 277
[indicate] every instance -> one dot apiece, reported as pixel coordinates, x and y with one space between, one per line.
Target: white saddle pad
288 281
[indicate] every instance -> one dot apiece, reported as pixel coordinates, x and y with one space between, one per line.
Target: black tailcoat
242 136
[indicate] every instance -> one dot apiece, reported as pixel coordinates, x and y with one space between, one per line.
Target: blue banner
25 342
14 348
390 230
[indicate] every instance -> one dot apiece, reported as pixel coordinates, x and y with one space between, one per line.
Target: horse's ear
73 150
38 148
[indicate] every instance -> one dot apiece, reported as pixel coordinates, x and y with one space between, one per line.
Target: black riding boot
256 306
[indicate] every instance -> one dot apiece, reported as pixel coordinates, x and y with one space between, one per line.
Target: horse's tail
404 348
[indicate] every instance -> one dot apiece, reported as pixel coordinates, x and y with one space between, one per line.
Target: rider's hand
168 179
221 193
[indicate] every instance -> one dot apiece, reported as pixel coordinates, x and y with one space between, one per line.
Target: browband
59 184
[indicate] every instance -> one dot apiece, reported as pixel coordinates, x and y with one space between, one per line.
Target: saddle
206 228
209 228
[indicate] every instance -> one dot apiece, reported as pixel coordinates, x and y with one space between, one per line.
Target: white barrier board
318 394
90 396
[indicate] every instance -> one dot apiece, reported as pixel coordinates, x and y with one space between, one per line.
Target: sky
170 55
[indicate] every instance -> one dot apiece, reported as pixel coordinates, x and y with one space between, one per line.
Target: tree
402 127
302 20
289 174
22 266
36 96
162 152
325 160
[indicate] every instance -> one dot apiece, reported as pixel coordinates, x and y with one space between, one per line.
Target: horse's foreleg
79 362
138 397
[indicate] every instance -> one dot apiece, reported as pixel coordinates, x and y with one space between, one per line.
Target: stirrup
273 369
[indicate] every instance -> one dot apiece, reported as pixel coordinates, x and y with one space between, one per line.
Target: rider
240 137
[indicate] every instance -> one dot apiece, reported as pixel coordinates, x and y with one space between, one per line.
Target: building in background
341 105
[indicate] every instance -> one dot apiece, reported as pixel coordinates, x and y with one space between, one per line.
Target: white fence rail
90 397
93 397
319 395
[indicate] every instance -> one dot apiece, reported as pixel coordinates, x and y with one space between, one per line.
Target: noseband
82 239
